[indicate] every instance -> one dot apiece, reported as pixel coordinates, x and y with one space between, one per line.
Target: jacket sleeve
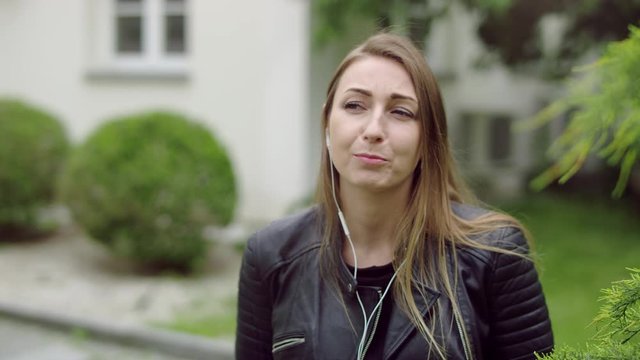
519 324
253 332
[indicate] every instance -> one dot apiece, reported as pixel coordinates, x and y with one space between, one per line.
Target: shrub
33 146
146 185
618 321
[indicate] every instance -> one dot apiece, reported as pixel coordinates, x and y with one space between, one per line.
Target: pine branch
606 120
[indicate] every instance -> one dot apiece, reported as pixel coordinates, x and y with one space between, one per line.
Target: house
239 66
248 70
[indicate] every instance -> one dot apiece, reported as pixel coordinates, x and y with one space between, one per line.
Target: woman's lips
370 159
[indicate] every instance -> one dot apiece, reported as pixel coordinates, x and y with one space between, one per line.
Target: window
129 17
484 139
139 38
174 23
500 139
465 139
151 29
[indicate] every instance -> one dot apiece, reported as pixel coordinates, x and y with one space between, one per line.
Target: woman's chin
374 185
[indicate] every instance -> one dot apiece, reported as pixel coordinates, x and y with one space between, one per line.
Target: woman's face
374 133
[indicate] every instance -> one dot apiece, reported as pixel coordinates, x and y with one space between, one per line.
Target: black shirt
372 282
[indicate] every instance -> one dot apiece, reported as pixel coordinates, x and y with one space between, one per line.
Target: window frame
153 60
474 139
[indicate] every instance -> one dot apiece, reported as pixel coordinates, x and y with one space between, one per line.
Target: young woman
392 263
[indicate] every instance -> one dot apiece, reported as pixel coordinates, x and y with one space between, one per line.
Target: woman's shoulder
297 224
494 230
467 211
286 238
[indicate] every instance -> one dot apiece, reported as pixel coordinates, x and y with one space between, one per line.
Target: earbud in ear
327 139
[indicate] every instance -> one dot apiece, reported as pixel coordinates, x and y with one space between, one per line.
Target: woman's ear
326 138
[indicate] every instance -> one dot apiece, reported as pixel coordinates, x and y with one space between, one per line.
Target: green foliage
605 117
619 316
146 185
603 351
509 29
619 321
33 146
333 17
513 31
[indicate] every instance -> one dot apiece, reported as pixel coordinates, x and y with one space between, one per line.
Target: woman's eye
404 113
353 105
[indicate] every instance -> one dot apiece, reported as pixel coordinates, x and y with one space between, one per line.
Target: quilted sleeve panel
253 333
520 322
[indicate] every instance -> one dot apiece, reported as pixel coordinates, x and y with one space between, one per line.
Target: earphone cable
345 228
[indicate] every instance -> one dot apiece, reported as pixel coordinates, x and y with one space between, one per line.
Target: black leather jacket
287 311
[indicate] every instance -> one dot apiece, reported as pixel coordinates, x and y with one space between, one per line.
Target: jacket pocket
286 342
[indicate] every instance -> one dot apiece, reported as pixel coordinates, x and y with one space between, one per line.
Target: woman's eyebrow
394 96
397 96
360 91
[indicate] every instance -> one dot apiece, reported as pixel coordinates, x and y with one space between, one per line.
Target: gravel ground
69 273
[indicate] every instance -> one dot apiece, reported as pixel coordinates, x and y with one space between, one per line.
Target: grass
205 320
583 245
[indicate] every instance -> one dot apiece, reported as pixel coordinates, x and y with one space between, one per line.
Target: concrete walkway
26 341
68 282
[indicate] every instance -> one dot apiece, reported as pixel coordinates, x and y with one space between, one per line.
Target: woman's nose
373 129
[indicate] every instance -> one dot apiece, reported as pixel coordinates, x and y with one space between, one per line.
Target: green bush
618 323
147 184
33 146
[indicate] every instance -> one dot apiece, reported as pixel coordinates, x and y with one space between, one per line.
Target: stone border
168 342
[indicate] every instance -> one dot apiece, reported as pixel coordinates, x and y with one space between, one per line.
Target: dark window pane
463 142
175 34
500 141
129 38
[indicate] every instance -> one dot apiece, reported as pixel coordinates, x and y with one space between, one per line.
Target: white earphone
367 319
327 139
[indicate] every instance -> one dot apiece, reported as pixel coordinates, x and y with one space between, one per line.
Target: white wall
246 77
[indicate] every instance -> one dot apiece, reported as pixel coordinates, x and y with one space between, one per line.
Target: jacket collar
349 285
400 326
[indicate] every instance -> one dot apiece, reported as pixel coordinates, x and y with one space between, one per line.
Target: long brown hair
429 231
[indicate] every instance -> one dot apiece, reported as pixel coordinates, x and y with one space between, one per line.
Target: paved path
25 341
71 274
71 277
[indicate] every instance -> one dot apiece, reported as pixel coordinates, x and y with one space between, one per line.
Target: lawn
205 320
583 245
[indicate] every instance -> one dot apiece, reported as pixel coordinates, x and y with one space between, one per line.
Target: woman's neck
373 220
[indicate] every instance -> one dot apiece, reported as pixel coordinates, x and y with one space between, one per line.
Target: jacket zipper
375 326
286 343
462 339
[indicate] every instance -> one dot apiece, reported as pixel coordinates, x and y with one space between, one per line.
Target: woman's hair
429 231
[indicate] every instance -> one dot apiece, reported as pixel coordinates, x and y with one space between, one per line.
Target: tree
513 31
509 29
333 16
604 107
416 16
